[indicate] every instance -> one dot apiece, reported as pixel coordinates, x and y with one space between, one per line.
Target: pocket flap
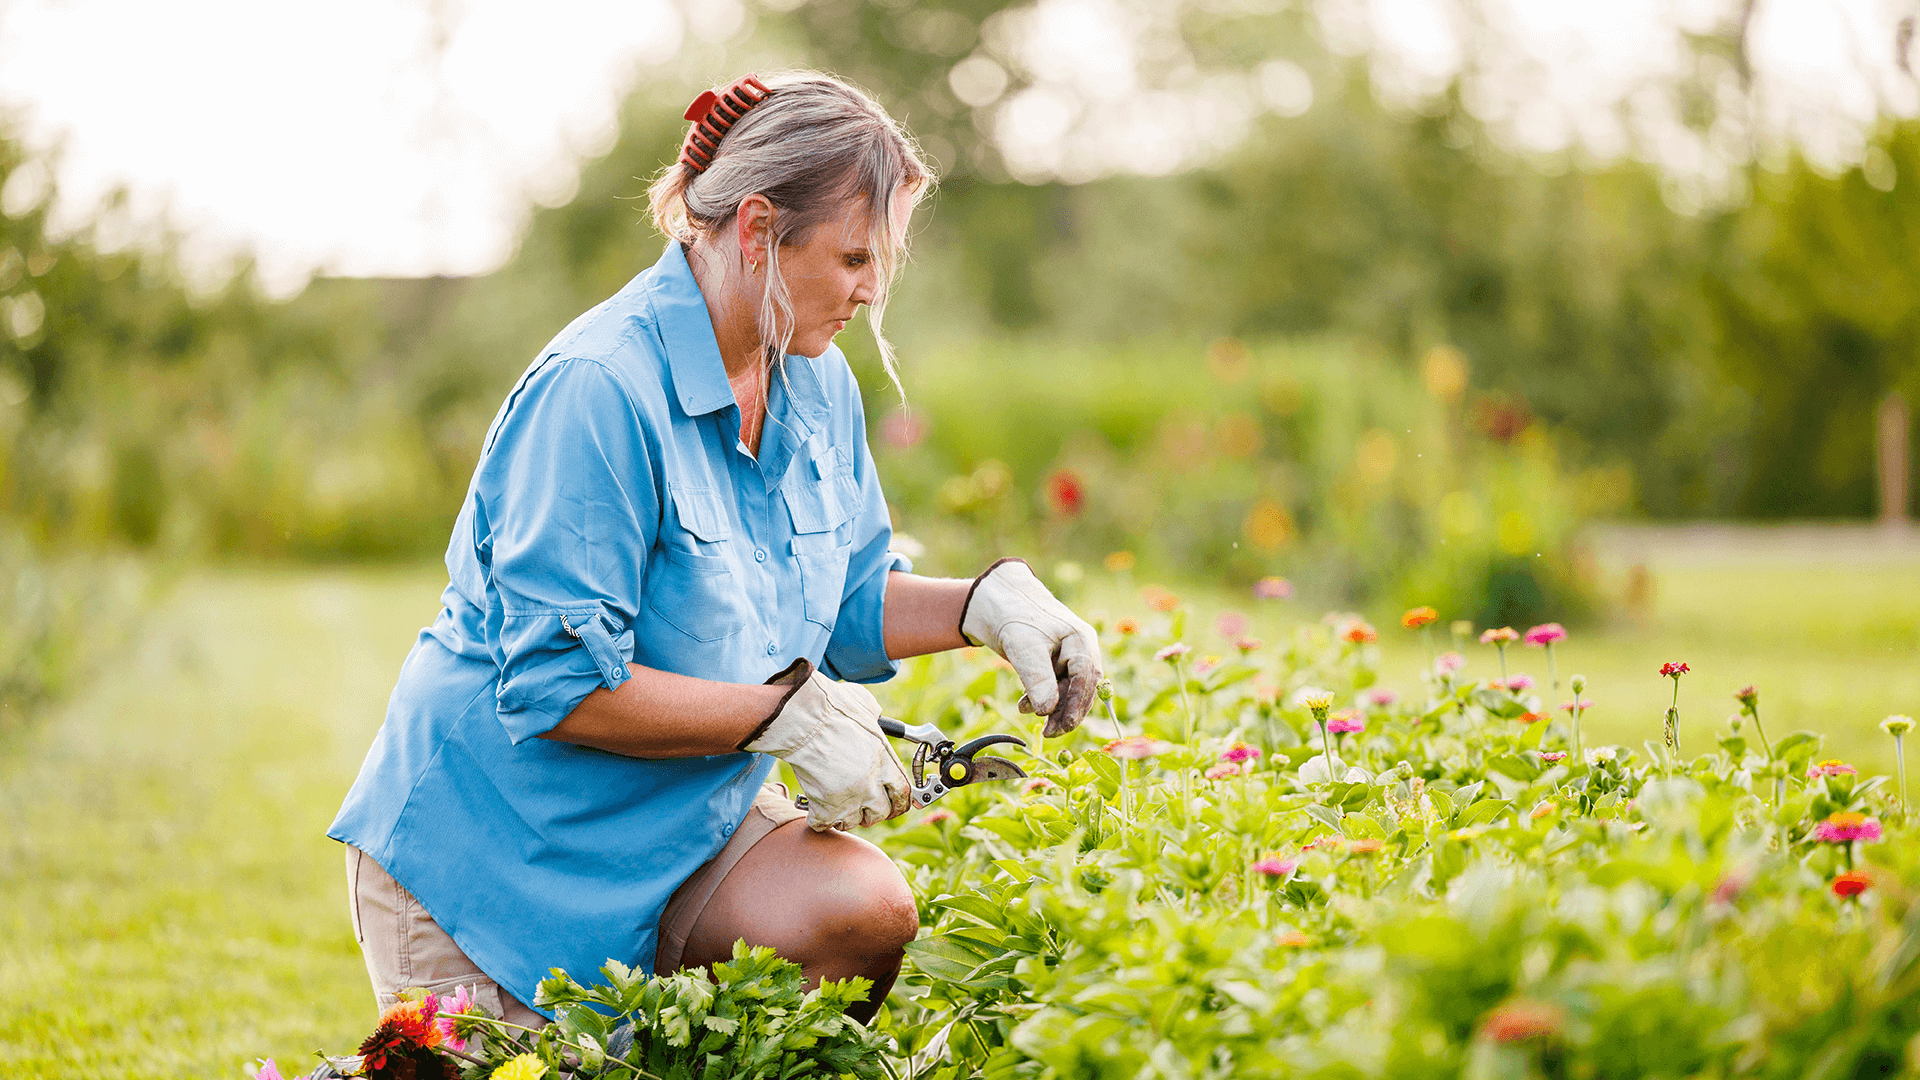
823 504
700 510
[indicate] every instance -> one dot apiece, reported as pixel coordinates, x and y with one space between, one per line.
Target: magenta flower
1272 588
1546 634
1222 771
1831 767
1553 757
267 1070
1173 652
1578 703
1240 752
1346 722
1449 662
1845 828
1136 747
1380 699
1673 669
1516 683
1274 867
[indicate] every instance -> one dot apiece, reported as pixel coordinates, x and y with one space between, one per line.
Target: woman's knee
865 905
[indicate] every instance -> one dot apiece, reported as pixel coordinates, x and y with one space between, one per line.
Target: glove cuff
793 677
975 587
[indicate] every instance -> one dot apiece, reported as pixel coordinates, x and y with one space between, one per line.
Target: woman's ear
753 229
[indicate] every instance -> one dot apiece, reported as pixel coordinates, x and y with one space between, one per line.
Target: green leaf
945 957
1326 815
1483 811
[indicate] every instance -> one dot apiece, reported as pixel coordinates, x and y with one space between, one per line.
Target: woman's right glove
829 732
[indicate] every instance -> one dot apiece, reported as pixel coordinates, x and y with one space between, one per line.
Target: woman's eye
857 261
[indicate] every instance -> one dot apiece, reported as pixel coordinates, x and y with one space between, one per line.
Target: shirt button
772 647
726 830
759 555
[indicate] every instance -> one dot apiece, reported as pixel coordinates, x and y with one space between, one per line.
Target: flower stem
636 1070
1186 771
1502 646
1326 743
1900 763
1760 731
1553 674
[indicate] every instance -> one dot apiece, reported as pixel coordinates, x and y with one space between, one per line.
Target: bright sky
327 137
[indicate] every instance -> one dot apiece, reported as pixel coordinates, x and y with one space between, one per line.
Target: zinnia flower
1314 700
1065 493
1519 1020
1127 627
1272 588
1553 757
1033 784
1231 625
1449 662
938 815
1345 722
1851 883
462 1001
1240 752
1222 771
1247 644
1159 599
267 1070
1291 939
1897 725
1118 561
1578 703
1546 634
405 1030
1831 767
1366 845
1673 669
1546 807
1531 717
1845 828
1499 636
1516 683
1172 652
1419 617
1380 699
1136 747
521 1067
1358 632
1748 696
1274 866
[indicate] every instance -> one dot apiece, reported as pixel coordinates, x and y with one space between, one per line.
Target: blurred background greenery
1367 340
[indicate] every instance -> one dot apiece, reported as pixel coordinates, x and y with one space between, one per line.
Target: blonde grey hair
812 146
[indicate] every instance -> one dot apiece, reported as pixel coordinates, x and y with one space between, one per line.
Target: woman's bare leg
830 902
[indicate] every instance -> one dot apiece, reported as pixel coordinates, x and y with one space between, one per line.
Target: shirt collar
693 352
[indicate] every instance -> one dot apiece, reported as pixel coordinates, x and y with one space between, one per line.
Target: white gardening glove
1055 653
830 733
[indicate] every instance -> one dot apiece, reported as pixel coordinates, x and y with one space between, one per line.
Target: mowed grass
170 907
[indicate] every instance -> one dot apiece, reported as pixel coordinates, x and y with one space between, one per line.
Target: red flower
401 1046
1851 883
1065 493
1519 1020
1673 669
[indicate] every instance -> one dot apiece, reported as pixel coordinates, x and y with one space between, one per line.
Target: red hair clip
713 114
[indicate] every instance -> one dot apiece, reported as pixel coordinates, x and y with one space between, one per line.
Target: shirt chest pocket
820 503
691 583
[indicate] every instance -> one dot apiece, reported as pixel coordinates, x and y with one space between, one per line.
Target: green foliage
1470 899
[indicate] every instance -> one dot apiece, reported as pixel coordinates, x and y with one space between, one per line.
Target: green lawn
169 906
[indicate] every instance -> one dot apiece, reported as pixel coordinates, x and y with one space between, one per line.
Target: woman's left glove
830 733
1055 653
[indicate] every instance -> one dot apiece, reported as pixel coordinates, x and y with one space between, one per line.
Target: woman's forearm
658 714
922 614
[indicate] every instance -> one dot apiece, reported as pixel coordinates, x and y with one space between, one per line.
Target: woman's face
833 272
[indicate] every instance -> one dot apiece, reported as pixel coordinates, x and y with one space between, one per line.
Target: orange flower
1419 617
1127 627
1499 636
1159 599
1851 883
1518 1020
1532 717
1118 561
1366 845
1291 939
1358 632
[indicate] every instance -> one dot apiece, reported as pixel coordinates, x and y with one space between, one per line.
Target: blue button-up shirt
615 517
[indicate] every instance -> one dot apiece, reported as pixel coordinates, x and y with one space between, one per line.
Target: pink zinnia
1578 703
1223 771
1516 683
938 816
1247 644
1673 669
1274 867
1552 757
1845 828
1831 768
1036 783
1240 752
1380 699
1136 747
1345 722
267 1070
1173 652
462 1001
1449 662
1499 636
1231 625
1546 634
1272 588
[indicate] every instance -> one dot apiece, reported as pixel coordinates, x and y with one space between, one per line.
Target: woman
671 569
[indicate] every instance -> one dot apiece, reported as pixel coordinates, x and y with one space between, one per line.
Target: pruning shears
953 766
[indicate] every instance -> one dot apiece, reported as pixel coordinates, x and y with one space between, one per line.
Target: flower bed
1264 864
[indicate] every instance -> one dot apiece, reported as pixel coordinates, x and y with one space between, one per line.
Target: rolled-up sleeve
566 507
857 651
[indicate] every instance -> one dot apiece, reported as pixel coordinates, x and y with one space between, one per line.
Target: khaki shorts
405 949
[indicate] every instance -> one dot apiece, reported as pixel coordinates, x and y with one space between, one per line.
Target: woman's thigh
831 902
